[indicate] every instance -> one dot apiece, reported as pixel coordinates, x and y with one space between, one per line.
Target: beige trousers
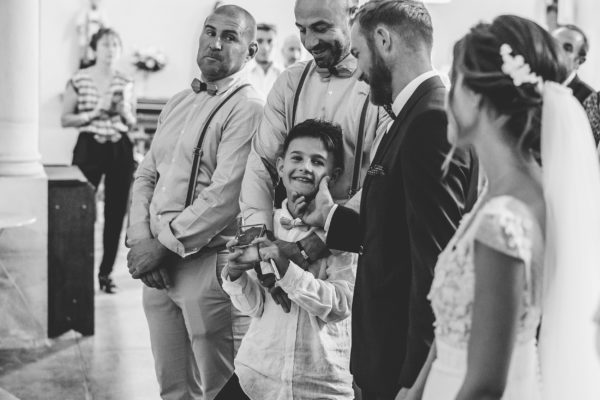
194 329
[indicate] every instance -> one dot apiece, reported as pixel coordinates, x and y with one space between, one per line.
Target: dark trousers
232 390
115 162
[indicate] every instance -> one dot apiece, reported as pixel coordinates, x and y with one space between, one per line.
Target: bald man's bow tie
199 86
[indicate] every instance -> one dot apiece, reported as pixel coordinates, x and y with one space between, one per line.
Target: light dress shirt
304 354
161 181
397 106
336 99
261 80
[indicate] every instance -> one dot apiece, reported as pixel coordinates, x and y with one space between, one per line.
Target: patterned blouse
506 225
88 96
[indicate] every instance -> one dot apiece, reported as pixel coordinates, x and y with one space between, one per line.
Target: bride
528 250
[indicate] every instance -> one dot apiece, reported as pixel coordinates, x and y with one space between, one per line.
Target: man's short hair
328 133
266 27
234 11
585 47
409 18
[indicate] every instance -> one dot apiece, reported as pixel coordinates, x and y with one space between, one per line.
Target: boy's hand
235 268
243 255
238 261
317 211
297 204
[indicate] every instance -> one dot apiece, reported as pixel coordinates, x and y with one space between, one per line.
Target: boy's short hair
330 135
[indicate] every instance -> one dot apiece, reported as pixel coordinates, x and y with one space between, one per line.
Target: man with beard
410 205
325 87
184 209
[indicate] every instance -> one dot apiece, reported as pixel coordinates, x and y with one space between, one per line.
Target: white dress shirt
304 354
261 80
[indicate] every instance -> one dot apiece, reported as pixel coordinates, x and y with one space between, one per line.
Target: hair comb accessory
518 69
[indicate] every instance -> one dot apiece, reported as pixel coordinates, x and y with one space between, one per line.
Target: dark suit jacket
581 90
409 211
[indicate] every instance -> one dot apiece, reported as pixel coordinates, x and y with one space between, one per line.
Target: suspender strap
299 89
358 149
189 198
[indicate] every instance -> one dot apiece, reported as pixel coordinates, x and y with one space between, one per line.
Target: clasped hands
148 261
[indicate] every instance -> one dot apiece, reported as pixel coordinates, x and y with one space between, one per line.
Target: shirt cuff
289 281
234 288
136 232
167 239
329 217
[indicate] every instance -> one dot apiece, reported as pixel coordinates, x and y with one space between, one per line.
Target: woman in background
99 102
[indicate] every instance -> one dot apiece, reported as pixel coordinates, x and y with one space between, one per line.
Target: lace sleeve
506 231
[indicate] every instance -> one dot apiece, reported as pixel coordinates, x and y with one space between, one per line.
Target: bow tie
199 86
341 71
388 109
288 224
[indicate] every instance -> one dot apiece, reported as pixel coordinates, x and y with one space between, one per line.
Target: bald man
575 45
183 213
291 50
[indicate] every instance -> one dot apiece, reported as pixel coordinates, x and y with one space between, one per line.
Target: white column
23 183
19 88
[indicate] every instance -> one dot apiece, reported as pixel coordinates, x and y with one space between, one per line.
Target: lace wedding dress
506 225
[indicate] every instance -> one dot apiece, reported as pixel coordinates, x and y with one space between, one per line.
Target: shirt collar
570 78
406 93
222 85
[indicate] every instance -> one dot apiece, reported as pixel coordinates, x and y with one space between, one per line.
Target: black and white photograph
299 200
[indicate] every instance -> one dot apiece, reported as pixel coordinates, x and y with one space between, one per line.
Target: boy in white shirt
303 354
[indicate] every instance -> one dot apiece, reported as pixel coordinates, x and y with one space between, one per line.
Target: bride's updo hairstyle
477 56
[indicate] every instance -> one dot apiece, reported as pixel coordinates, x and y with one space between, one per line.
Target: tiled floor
114 364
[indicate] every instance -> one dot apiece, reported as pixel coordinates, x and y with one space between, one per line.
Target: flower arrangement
150 59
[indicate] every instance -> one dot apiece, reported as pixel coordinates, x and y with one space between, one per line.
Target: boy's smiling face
304 164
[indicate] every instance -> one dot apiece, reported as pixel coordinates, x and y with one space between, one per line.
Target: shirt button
164 189
361 250
330 93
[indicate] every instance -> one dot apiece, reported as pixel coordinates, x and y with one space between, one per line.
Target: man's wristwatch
303 252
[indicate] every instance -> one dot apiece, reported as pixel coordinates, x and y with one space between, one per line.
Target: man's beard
380 80
336 50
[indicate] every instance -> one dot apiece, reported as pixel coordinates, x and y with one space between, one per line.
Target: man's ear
252 49
383 39
280 166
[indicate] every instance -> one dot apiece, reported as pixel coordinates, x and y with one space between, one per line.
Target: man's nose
310 40
216 43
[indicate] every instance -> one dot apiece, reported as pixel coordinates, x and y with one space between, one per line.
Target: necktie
199 86
288 224
388 109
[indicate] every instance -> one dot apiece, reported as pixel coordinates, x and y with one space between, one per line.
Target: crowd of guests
333 240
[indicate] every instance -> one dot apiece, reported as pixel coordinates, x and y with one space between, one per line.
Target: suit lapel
397 127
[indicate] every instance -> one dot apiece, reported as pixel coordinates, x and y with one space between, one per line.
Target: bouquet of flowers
150 59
